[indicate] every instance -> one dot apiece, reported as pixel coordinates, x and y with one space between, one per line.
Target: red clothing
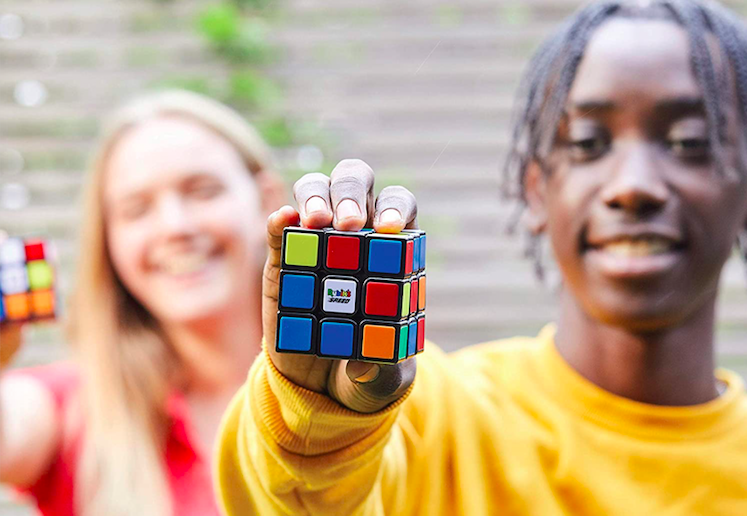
188 467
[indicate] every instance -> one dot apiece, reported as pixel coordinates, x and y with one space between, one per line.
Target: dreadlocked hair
544 88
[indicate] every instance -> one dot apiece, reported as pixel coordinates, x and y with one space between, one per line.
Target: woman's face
185 226
640 220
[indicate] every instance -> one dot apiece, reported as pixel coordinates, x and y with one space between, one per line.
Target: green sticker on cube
406 300
40 275
301 249
403 343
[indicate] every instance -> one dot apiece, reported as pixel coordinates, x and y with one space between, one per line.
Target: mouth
645 245
185 265
635 256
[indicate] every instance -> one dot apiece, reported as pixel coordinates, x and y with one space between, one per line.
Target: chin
189 310
636 315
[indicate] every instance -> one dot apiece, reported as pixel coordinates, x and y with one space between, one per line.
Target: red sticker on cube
382 299
421 334
408 257
413 296
34 251
343 252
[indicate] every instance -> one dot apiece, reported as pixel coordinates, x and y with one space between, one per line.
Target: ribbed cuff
308 423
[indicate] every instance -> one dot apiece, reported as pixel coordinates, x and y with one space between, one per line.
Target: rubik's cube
353 295
26 281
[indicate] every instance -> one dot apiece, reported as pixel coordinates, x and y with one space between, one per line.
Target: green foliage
239 39
276 131
249 89
237 32
220 23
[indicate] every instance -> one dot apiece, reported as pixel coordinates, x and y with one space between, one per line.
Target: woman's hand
10 341
344 200
10 333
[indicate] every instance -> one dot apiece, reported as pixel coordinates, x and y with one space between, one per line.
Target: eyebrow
674 105
590 106
682 105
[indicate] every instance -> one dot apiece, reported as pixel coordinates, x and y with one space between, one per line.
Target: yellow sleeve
283 449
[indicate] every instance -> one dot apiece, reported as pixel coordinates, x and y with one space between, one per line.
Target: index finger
351 191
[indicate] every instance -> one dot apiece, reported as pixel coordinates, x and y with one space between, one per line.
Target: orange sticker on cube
17 307
42 303
421 293
378 342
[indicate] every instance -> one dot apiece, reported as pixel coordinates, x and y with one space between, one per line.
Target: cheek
568 197
127 251
717 210
238 224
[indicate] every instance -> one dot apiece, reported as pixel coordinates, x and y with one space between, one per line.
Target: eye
695 148
133 209
204 188
688 140
589 148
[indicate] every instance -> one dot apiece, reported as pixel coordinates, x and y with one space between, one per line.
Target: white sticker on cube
12 252
339 296
14 280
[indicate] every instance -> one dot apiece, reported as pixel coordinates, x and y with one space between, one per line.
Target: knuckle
393 380
351 185
355 167
316 179
400 198
399 192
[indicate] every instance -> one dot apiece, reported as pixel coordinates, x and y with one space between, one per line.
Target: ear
272 190
535 193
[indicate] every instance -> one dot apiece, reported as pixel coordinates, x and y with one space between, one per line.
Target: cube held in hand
352 295
26 281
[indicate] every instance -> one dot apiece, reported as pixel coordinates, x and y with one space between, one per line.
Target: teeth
639 247
183 264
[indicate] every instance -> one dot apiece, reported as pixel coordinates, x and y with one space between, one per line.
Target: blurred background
421 90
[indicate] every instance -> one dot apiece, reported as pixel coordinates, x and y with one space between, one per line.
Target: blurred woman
165 317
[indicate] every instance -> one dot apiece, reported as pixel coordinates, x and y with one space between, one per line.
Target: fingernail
390 216
370 375
315 204
348 208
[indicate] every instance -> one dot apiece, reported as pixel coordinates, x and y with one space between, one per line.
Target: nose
173 217
637 185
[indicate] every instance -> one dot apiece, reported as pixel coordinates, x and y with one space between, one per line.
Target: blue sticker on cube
422 252
416 254
337 339
298 291
412 339
385 256
295 333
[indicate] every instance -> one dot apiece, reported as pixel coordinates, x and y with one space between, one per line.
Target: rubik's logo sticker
356 295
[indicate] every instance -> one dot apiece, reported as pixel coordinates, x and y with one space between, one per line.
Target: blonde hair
126 364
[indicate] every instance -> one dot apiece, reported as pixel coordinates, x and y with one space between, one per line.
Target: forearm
29 430
297 451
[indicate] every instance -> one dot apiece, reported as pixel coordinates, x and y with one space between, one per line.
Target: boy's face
640 220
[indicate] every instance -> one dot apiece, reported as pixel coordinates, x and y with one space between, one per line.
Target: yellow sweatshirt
503 428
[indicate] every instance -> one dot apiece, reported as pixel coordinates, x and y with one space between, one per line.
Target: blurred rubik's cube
354 295
26 281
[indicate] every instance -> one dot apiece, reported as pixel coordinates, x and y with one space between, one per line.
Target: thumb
366 387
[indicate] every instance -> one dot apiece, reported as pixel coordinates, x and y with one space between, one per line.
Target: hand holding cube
346 201
26 289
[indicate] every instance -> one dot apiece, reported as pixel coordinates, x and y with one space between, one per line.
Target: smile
641 256
185 264
646 246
